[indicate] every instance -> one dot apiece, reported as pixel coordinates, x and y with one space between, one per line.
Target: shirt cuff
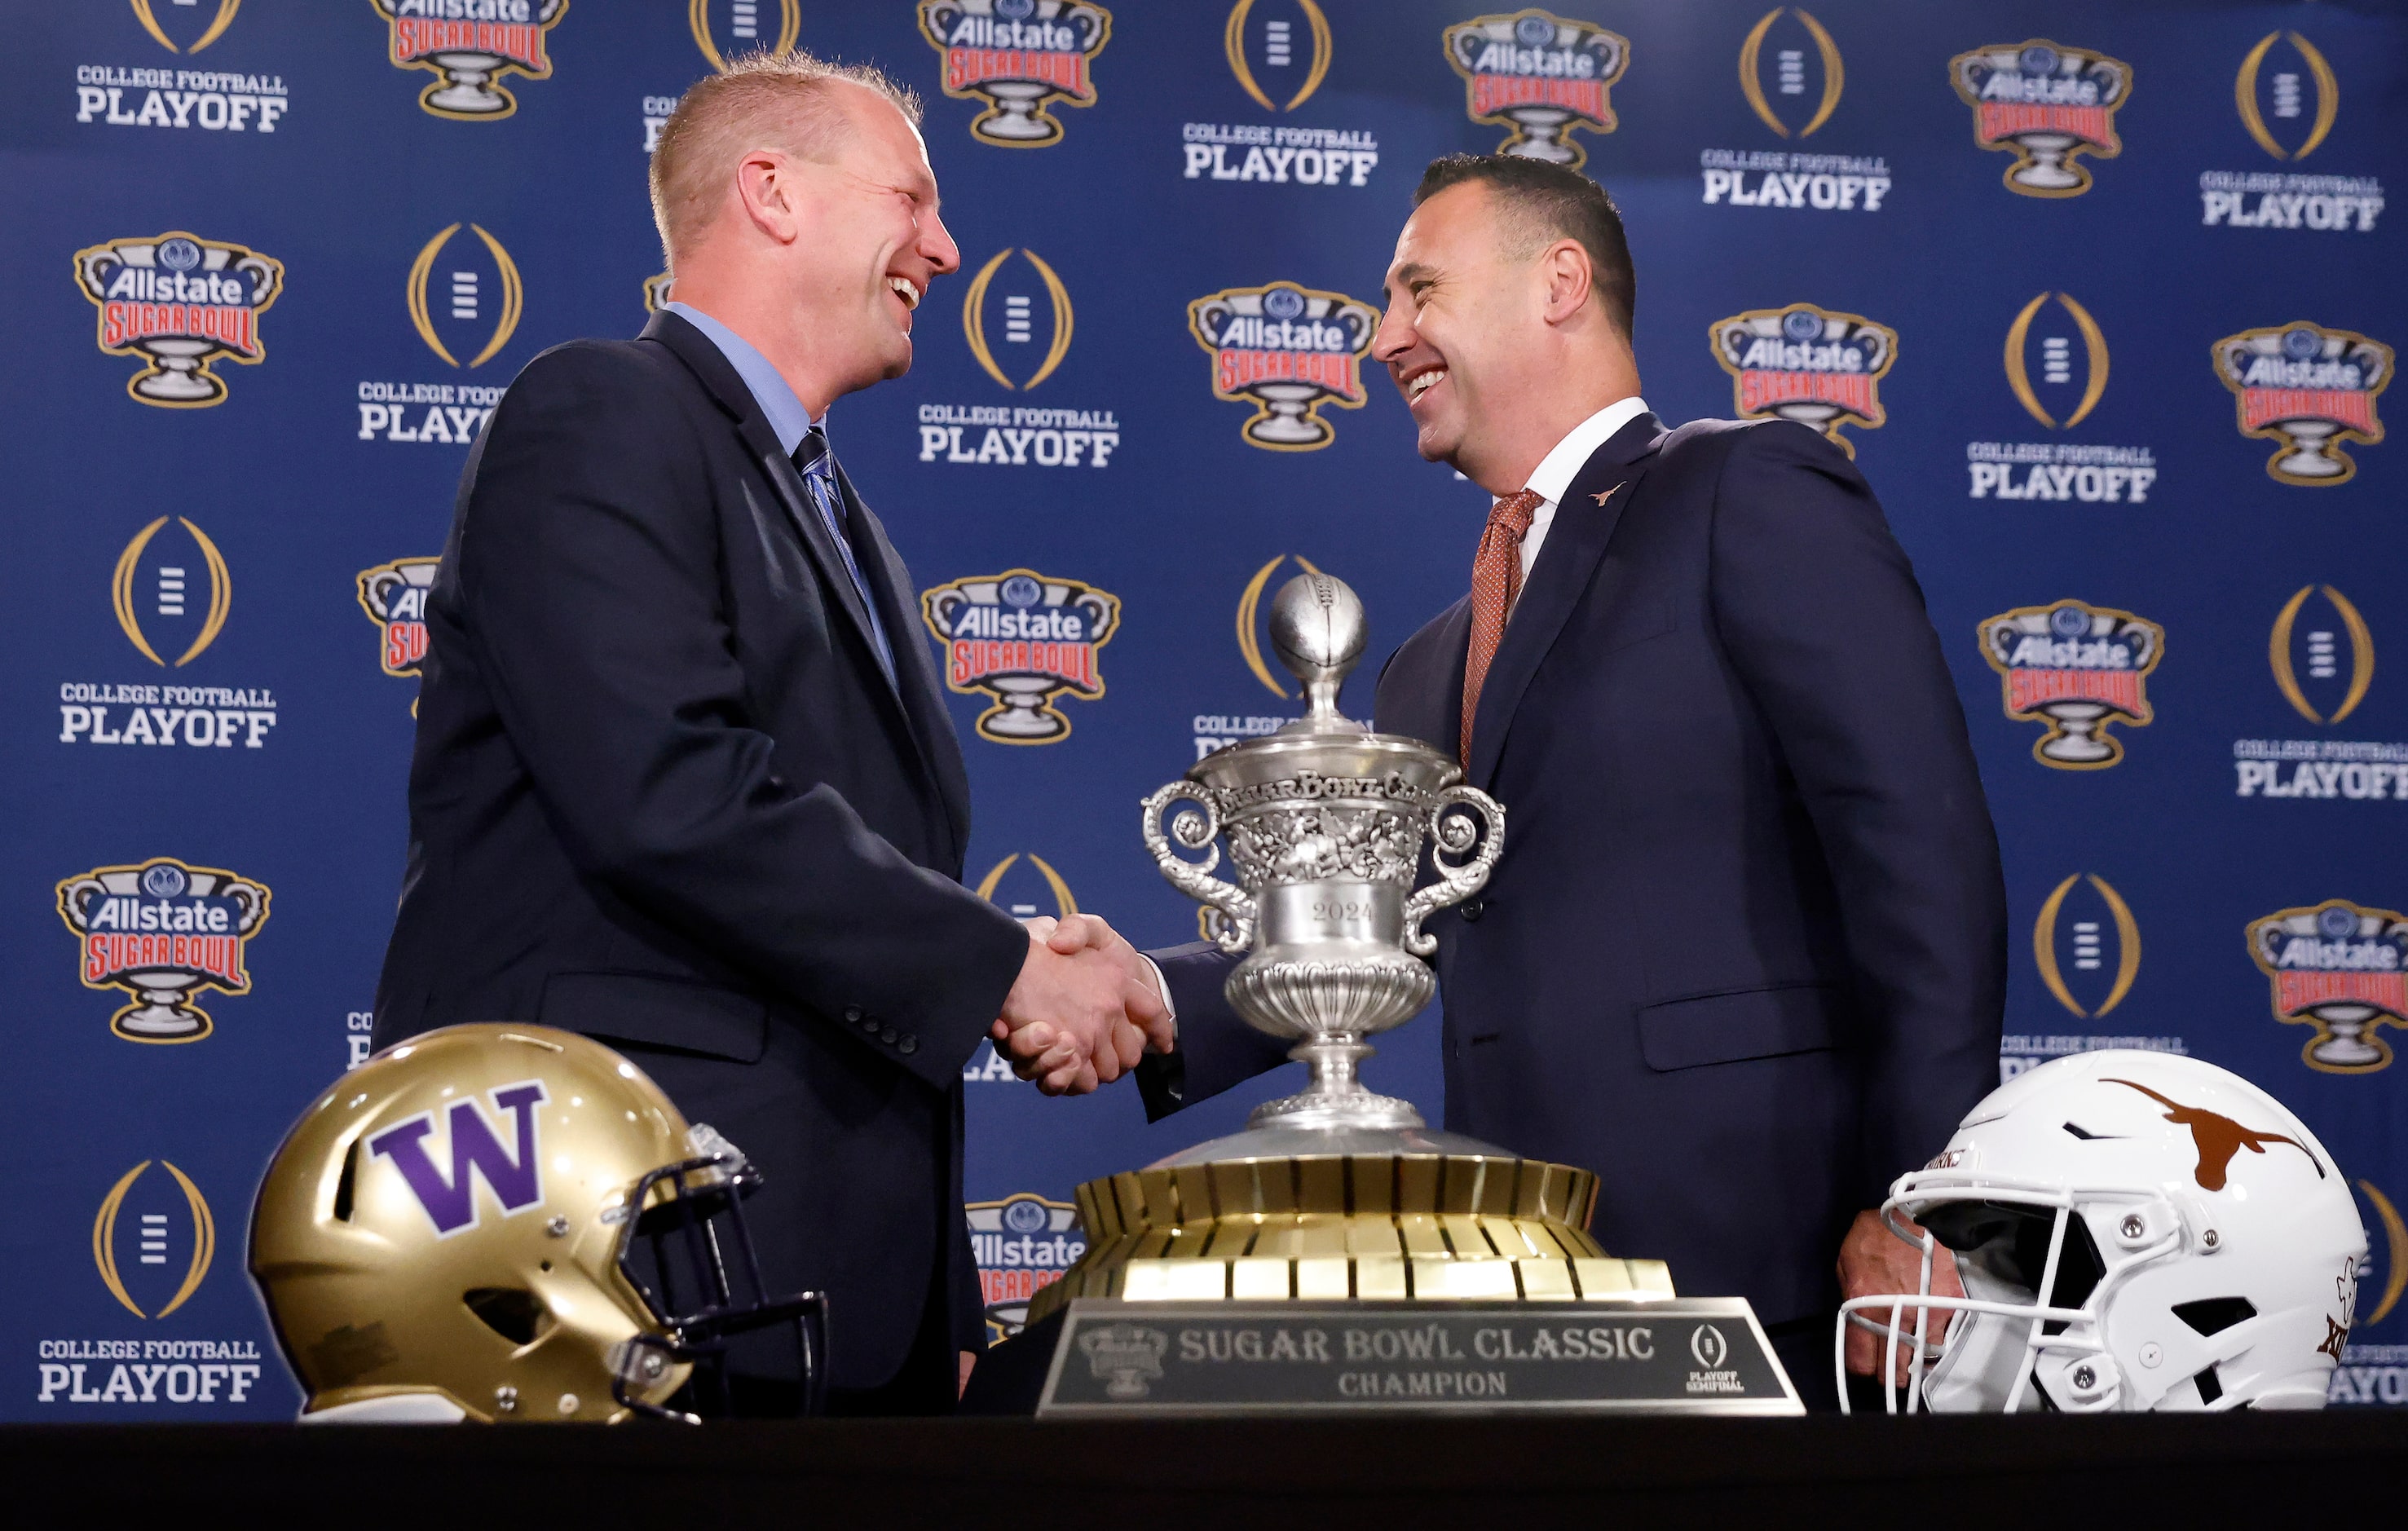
1162 988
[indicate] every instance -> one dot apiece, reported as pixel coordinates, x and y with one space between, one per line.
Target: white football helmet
2134 1231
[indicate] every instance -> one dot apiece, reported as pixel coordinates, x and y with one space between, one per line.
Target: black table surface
2112 1473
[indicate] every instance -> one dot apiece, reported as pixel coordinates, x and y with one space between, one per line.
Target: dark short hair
1553 203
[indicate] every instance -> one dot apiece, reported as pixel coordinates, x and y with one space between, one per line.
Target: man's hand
1875 1262
1084 1008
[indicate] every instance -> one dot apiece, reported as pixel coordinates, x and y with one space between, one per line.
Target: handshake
1083 1009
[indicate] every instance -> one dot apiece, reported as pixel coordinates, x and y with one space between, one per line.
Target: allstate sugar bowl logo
1817 366
163 931
2310 388
1024 639
1540 74
179 302
393 596
1018 56
2343 968
2047 105
471 46
1021 1243
2076 667
1287 351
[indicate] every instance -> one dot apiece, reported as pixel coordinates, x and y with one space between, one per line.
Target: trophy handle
1235 927
1453 833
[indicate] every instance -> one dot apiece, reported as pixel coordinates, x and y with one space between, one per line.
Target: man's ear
1564 267
766 185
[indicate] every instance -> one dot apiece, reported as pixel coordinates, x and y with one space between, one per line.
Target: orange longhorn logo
2217 1138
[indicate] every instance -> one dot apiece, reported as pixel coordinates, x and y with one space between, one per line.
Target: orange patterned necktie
1496 580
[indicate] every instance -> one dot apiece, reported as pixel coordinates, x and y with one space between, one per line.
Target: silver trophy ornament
1324 822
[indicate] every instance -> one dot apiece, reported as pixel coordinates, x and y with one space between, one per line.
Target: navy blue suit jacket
1744 953
664 795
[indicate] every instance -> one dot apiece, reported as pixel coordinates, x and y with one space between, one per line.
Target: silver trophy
1324 822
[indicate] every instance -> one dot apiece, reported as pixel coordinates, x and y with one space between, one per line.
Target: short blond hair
761 100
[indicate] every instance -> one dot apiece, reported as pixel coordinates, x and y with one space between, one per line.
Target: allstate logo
471 57
1019 57
2343 968
479 299
179 302
163 931
2310 388
176 594
2047 104
1024 639
1250 634
2076 667
1789 73
1021 1243
745 27
991 888
1817 366
211 23
1541 75
2289 646
2076 940
172 1231
1019 313
2260 93
2056 364
1274 39
1287 351
393 596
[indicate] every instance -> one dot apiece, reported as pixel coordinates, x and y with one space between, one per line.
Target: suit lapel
1584 521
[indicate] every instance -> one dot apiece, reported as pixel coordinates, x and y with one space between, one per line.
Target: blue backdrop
2096 292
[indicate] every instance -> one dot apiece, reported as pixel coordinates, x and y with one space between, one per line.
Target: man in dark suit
1744 953
685 781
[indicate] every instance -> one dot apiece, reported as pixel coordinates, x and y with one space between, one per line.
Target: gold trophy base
1443 1227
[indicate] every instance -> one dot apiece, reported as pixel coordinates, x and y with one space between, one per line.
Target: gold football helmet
504 1223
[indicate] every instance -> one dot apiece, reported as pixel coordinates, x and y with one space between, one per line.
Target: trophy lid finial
1318 631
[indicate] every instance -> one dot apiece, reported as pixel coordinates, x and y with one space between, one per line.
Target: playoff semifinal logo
2076 667
179 302
163 931
2343 968
1541 75
2047 104
470 46
1287 351
2310 388
1021 639
1817 366
1789 76
1018 56
393 596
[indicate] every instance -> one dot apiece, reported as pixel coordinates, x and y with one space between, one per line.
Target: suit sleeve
1216 1048
589 581
1819 611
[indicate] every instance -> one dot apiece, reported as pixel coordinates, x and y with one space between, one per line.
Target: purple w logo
516 1180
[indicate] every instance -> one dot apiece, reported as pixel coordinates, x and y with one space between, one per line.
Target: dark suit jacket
1744 953
664 795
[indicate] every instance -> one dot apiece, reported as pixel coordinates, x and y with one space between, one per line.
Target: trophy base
1096 1358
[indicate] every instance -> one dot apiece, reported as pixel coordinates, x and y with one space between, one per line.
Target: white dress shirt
1558 469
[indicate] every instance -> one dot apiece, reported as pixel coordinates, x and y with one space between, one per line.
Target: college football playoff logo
167 593
2080 943
179 302
220 18
2343 968
2056 361
2076 667
490 300
1019 326
2047 105
1817 366
745 27
2285 102
2323 656
163 931
1024 639
1541 75
2310 388
1273 39
1789 78
470 58
1287 351
155 1237
1019 57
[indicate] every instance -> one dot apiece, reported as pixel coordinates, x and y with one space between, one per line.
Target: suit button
909 1044
887 1035
1474 907
852 1015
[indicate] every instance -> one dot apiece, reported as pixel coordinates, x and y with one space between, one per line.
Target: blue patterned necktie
816 460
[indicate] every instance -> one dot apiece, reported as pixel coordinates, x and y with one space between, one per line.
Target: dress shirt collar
1558 469
780 406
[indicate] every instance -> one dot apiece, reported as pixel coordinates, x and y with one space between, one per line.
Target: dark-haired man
1744 953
